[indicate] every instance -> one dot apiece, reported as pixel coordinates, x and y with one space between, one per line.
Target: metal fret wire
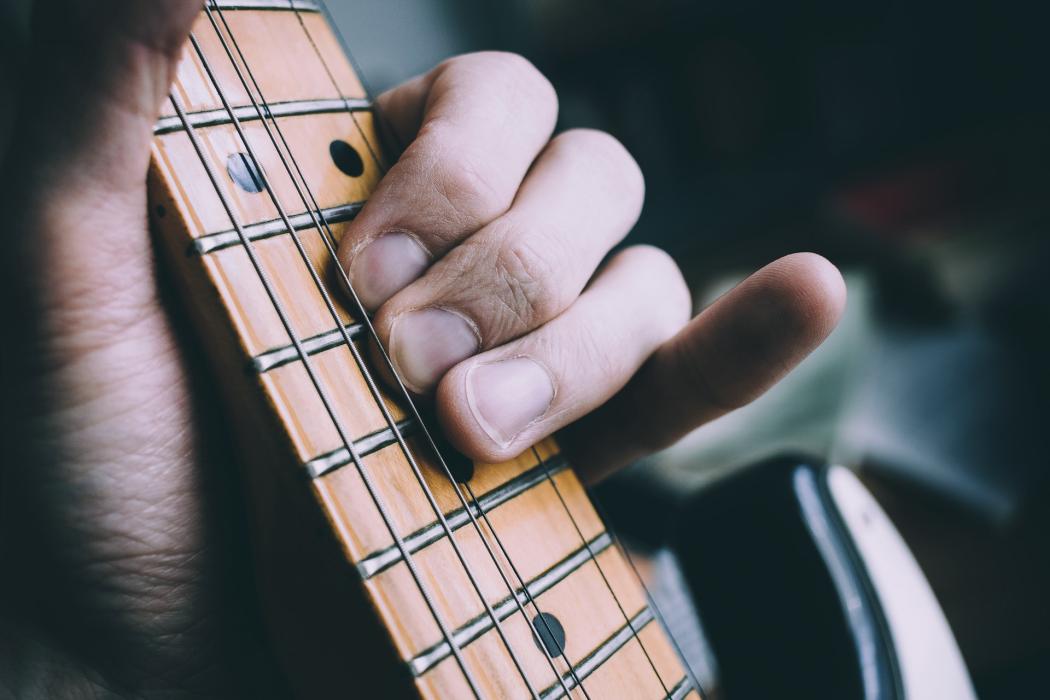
693 678
376 395
484 516
608 585
394 373
322 394
324 9
279 309
358 73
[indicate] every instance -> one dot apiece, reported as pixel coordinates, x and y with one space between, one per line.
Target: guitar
391 566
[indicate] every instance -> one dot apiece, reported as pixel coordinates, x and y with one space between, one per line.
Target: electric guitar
389 565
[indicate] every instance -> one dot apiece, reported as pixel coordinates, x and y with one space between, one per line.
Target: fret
385 558
285 5
681 690
313 346
314 105
599 656
344 494
214 242
284 53
599 642
305 417
464 635
665 658
581 598
370 444
309 139
256 320
620 662
248 113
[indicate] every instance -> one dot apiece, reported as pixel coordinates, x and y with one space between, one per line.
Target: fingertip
381 267
815 291
458 423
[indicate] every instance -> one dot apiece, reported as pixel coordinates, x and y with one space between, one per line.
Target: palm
111 525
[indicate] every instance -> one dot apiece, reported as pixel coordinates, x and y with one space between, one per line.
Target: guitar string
651 601
262 112
304 355
308 365
601 572
305 256
529 599
358 74
468 488
470 491
393 132
692 675
361 365
392 423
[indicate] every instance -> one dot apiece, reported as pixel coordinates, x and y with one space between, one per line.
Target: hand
119 547
480 253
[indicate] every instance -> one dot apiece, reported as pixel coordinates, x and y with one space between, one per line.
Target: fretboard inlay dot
347 159
549 634
241 169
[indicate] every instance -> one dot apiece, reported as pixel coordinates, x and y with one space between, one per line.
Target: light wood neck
270 302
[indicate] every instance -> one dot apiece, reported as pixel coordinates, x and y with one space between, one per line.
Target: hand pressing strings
121 575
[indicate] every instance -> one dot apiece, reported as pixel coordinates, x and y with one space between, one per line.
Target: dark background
906 142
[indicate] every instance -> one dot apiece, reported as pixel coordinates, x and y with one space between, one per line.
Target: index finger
476 124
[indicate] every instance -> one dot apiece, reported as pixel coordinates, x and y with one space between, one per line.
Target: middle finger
582 196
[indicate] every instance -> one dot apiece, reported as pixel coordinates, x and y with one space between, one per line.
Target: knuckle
528 85
457 177
525 277
468 192
520 71
606 154
660 275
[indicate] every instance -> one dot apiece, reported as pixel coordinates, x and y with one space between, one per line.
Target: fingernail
426 344
386 266
508 396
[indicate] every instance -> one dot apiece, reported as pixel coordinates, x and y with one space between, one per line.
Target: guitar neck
504 585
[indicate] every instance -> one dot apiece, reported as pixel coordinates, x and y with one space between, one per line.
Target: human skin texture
122 541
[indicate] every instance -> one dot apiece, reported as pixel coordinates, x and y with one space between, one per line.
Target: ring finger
497 404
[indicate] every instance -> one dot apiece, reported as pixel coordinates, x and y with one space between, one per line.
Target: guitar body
387 569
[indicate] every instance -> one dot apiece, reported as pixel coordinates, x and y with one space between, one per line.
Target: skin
116 509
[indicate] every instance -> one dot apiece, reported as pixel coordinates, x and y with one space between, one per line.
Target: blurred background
907 143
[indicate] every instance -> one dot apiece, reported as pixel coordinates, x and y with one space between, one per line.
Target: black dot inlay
462 467
242 170
548 634
347 159
459 465
161 211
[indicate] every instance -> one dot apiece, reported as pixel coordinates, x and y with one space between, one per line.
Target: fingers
725 358
495 405
478 122
582 197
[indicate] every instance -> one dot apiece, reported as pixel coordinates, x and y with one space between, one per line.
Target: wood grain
541 525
